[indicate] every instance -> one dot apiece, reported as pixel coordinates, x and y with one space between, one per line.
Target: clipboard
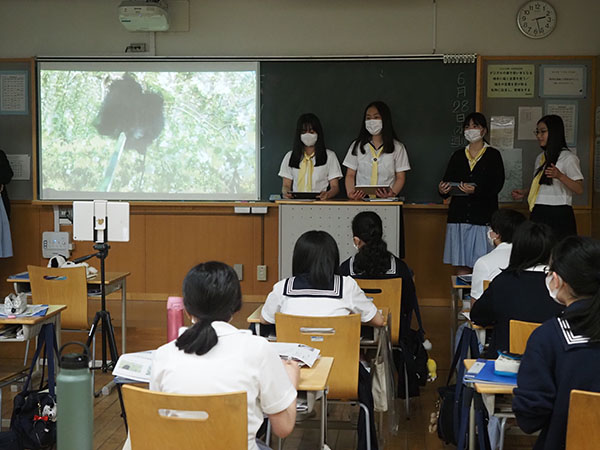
370 189
305 195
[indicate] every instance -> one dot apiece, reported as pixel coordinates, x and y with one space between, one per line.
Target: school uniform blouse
488 174
511 295
397 269
555 362
557 193
295 296
239 362
489 266
321 175
388 164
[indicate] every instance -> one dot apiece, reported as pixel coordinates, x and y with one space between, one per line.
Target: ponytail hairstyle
532 244
387 132
555 144
211 291
373 257
577 261
316 255
307 122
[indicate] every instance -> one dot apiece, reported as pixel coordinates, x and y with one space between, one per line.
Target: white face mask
374 126
309 139
473 135
553 293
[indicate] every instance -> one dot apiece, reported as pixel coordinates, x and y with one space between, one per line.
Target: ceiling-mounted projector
144 15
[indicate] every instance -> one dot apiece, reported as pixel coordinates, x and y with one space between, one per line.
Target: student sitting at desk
563 353
374 261
317 289
502 227
519 292
214 357
310 167
376 157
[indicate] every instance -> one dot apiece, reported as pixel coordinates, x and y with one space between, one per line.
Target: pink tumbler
174 317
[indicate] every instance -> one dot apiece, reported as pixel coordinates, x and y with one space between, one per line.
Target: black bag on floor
34 412
450 420
9 440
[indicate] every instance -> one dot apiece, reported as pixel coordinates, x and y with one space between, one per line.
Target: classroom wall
298 27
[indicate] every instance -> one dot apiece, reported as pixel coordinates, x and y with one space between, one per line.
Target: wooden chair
519 333
386 293
210 421
583 426
52 286
338 337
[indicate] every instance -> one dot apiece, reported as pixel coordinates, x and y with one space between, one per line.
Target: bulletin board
515 92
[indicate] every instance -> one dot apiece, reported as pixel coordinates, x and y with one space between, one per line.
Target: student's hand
287 195
324 195
356 195
293 370
553 172
444 187
466 188
385 193
518 194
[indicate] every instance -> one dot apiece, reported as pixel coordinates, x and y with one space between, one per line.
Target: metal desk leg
123 315
323 419
472 425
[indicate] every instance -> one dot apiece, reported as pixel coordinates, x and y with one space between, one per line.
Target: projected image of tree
146 133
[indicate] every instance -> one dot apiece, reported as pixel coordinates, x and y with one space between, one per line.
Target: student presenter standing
556 178
376 157
310 167
480 171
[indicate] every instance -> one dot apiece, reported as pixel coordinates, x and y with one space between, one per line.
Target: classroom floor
413 434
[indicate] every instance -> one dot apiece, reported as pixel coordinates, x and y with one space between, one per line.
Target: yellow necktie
534 190
305 174
375 163
473 161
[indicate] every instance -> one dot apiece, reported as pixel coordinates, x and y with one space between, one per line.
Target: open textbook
304 354
134 366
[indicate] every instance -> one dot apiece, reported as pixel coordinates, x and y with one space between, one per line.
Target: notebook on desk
483 372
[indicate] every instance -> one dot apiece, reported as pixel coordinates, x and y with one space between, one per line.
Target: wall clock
536 19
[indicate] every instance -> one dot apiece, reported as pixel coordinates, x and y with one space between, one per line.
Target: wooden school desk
31 328
114 281
488 392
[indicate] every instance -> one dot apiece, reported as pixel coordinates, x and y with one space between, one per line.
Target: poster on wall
513 172
502 131
562 81
528 117
510 80
567 110
13 92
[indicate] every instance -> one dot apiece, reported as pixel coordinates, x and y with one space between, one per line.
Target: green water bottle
74 399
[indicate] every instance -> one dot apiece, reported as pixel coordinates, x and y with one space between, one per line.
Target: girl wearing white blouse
376 157
212 356
310 166
556 178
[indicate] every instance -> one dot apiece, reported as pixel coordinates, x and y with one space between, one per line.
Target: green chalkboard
428 99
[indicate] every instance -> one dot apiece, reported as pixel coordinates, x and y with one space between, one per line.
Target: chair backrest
583 426
337 336
519 333
204 421
62 287
486 284
386 293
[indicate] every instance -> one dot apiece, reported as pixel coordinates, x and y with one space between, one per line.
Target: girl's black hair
316 255
373 257
478 119
555 144
531 246
306 122
577 261
387 133
504 222
211 291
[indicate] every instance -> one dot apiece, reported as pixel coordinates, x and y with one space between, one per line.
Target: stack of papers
304 354
464 279
31 311
483 372
11 332
134 366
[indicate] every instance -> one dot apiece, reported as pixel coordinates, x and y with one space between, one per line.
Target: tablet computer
455 190
305 195
370 189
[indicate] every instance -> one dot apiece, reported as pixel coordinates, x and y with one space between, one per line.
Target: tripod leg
93 329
